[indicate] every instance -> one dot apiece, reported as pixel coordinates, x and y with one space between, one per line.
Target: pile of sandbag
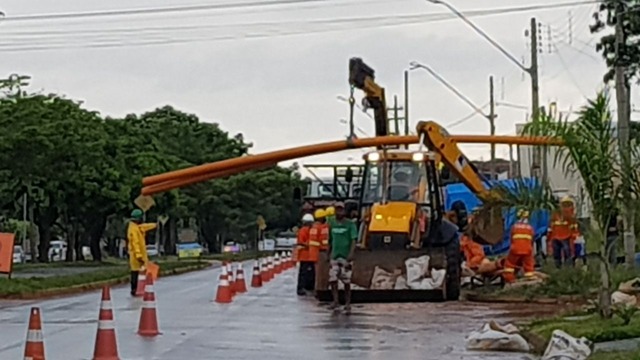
627 294
496 337
565 347
418 276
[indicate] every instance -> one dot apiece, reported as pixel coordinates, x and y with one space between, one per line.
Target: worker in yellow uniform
137 246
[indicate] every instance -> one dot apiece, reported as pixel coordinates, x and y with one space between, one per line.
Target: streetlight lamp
532 70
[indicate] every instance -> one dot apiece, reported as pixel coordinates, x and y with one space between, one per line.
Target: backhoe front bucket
487 227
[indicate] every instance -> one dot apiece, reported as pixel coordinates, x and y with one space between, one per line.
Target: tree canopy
81 172
605 21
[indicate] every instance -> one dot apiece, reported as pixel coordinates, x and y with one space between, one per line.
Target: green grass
22 286
616 355
592 327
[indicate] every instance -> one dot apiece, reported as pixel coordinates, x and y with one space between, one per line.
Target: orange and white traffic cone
241 286
264 270
142 280
231 278
277 269
106 347
148 318
256 279
270 268
223 295
34 348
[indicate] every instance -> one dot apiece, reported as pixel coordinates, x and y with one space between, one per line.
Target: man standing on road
137 246
306 273
342 243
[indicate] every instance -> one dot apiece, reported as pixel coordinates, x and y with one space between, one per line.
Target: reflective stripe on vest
314 243
522 237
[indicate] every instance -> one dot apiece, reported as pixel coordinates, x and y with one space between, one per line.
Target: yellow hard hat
330 211
319 214
522 214
567 199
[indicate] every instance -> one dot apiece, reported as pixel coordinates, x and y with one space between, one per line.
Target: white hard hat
307 218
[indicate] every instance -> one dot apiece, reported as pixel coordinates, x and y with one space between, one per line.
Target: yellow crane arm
438 140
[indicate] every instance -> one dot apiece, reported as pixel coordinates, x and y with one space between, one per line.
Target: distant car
57 250
231 247
19 256
152 250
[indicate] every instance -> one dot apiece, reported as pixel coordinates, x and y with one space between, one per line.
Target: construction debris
631 287
565 347
495 337
620 298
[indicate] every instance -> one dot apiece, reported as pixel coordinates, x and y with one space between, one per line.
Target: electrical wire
157 10
20 44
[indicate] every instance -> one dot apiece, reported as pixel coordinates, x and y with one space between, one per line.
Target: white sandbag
417 268
631 287
401 283
565 347
382 280
489 339
620 298
434 282
507 328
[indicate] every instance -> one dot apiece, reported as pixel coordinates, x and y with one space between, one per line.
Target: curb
479 298
82 288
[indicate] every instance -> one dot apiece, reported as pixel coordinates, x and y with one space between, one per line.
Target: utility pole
492 118
535 100
406 103
624 113
395 114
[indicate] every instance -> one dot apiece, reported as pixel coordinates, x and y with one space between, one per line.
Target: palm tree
591 151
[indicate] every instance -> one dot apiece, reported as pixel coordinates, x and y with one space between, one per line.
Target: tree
591 150
605 19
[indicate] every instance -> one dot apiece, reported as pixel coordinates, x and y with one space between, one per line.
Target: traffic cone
292 264
106 347
264 271
241 286
223 295
232 280
256 279
270 268
148 318
277 268
142 280
34 347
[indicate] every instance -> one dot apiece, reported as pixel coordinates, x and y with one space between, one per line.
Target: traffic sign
144 202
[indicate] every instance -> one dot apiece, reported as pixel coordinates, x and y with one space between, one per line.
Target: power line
158 10
14 45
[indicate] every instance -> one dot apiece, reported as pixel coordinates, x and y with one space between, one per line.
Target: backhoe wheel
452 252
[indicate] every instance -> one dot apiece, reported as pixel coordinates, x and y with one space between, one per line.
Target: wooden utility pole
492 125
624 113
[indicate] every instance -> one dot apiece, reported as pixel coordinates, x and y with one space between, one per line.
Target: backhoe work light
417 157
373 157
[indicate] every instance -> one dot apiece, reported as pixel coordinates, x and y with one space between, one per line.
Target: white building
561 182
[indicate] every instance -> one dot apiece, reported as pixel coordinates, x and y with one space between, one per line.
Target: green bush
592 327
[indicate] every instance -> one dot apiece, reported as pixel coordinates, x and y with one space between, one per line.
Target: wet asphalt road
267 323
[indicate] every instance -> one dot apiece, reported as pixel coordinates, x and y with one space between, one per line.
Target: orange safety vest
315 234
521 239
324 236
303 242
473 252
562 227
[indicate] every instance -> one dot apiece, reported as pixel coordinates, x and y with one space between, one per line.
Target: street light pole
532 70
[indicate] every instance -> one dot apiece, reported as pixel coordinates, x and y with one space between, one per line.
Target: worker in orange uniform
562 233
521 250
306 272
473 252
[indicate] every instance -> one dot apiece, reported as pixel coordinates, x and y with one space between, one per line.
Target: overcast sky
228 66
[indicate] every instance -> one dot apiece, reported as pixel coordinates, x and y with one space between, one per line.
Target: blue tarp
459 192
